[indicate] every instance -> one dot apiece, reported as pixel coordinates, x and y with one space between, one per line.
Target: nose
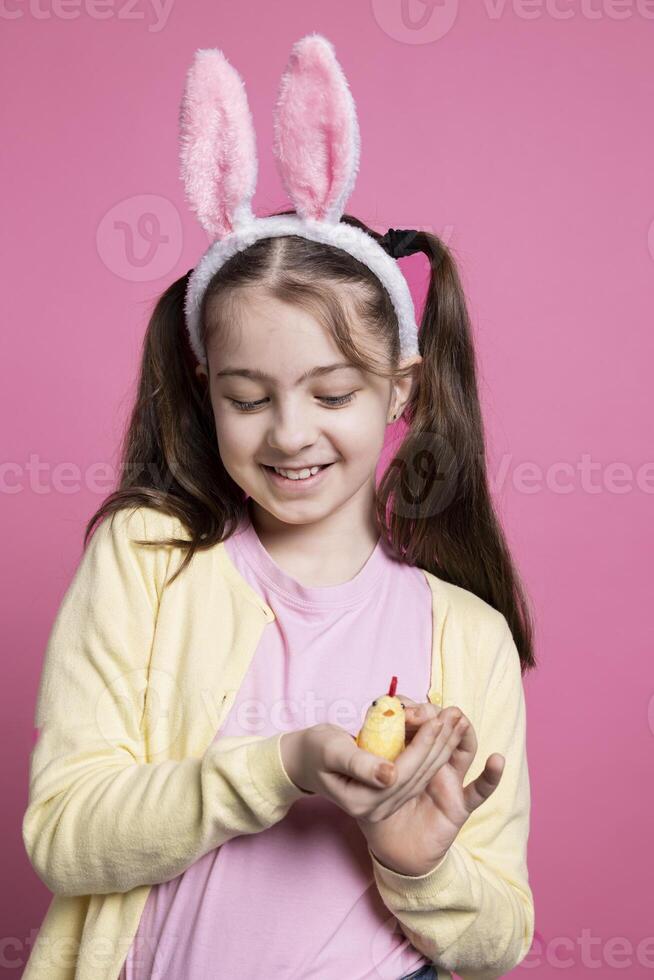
292 429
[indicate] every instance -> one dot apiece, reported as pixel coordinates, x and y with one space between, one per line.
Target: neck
325 552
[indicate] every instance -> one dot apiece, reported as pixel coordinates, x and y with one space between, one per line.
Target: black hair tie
399 242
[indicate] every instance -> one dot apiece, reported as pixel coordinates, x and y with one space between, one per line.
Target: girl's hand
419 816
407 828
325 759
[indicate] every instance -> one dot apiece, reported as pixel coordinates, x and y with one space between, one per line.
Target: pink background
522 135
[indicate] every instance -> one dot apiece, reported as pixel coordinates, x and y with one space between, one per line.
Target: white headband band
316 146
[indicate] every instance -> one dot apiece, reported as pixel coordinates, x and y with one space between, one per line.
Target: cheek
236 438
363 434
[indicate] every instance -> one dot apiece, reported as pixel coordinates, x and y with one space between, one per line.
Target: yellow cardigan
127 787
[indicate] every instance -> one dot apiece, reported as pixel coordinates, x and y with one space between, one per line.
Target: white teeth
298 474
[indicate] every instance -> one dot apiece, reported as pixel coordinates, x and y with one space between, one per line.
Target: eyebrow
262 376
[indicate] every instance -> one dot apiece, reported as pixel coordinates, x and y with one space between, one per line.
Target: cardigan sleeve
473 913
99 819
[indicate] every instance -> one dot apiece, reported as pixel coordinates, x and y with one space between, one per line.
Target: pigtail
169 457
433 502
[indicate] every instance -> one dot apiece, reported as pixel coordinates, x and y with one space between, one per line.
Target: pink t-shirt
299 899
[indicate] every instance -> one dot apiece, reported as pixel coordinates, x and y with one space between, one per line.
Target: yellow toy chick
383 731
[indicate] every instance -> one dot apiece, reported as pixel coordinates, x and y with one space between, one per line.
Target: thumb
364 766
486 782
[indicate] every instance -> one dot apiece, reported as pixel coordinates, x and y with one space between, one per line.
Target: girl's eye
246 406
339 399
330 400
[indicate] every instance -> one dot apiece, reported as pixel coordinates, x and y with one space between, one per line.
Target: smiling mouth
296 479
296 469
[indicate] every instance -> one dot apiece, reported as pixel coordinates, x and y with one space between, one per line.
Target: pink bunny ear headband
316 146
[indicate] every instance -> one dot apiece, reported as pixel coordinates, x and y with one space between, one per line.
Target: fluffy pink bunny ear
217 144
315 131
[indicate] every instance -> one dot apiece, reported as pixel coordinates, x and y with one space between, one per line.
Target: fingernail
384 774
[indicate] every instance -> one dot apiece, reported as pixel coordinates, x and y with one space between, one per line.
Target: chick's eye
374 703
402 703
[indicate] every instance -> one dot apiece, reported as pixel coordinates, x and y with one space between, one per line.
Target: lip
306 466
295 486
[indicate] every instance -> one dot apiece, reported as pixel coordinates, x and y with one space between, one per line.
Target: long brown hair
432 504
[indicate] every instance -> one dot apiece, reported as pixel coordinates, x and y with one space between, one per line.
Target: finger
466 750
415 752
447 737
444 728
458 750
359 764
409 704
405 700
416 759
486 782
451 714
420 711
349 792
416 715
444 744
408 760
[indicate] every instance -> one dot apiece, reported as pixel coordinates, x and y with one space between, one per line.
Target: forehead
270 336
256 319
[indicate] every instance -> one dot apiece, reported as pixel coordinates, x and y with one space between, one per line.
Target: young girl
198 803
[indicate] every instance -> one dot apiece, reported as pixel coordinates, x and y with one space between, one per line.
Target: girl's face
283 396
